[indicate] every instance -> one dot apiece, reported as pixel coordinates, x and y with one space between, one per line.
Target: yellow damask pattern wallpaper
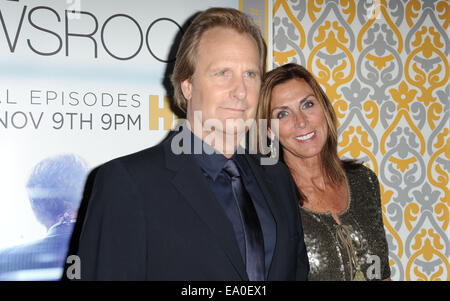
385 66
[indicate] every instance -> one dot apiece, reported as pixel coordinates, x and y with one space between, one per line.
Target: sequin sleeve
329 257
378 225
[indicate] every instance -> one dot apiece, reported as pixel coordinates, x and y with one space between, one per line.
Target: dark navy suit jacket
152 216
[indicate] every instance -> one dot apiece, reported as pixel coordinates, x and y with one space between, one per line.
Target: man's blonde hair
187 52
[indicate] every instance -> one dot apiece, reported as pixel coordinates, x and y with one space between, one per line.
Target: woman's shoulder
360 175
357 168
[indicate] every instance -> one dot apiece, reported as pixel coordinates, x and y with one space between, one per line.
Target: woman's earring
274 148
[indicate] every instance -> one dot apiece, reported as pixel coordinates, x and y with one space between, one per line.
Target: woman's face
302 128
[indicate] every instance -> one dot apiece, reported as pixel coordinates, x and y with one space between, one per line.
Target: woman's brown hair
332 166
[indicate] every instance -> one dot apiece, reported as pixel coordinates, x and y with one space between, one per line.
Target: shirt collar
209 159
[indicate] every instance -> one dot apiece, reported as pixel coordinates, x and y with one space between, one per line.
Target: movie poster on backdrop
81 83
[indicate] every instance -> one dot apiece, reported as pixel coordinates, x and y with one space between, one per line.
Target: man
211 212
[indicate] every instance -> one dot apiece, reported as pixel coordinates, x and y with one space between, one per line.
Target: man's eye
282 114
222 73
251 74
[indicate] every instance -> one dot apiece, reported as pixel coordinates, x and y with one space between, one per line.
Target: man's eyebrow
301 101
256 69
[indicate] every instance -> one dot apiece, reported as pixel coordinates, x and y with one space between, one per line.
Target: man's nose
239 88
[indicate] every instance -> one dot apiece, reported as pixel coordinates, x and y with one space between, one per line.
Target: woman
339 200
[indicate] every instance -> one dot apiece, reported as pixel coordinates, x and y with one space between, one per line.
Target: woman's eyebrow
306 97
286 107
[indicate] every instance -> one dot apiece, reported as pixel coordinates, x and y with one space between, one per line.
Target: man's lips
235 110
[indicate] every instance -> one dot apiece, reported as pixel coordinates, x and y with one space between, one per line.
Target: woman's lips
306 136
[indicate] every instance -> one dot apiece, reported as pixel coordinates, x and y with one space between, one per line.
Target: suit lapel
265 183
193 186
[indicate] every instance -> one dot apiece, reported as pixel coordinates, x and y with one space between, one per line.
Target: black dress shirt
212 162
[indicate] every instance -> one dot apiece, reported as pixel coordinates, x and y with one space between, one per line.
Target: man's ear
186 88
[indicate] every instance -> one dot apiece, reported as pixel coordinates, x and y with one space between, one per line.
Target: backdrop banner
81 83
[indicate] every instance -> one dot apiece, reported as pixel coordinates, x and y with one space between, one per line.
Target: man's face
226 82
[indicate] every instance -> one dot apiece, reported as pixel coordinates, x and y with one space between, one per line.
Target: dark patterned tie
254 241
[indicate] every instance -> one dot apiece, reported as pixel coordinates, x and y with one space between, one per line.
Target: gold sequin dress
357 248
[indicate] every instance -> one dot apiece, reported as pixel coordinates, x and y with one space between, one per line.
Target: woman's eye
282 114
308 104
